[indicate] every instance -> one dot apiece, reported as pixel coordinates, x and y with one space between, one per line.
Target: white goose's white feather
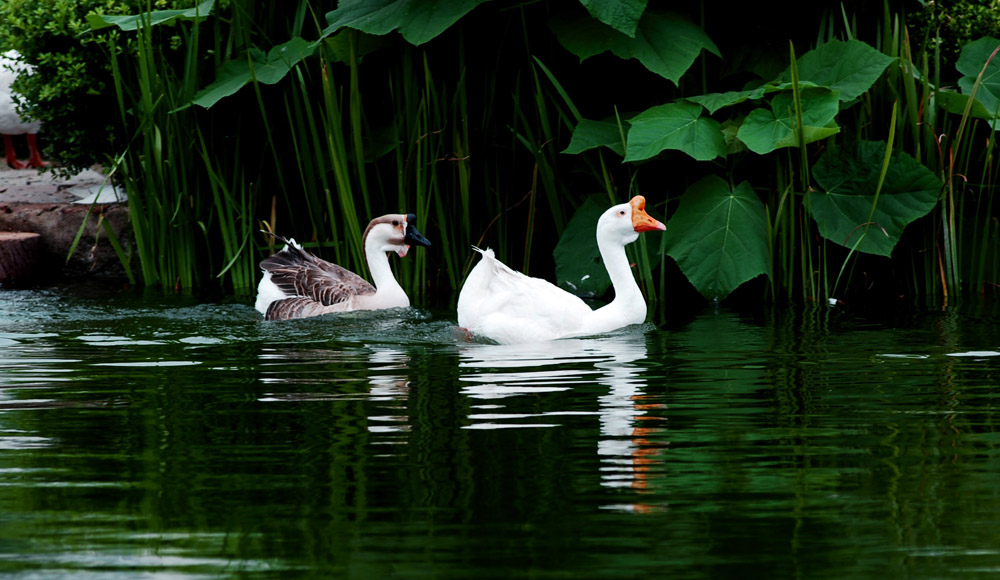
11 122
509 307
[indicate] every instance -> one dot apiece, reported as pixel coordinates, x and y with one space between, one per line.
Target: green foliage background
833 152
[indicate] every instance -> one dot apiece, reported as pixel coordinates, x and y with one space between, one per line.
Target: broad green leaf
135 21
229 79
267 69
281 59
850 67
971 62
579 268
847 180
765 130
677 126
715 101
339 45
718 236
730 132
622 15
417 20
956 102
593 134
664 42
578 260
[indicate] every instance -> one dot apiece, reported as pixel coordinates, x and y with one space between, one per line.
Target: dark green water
164 438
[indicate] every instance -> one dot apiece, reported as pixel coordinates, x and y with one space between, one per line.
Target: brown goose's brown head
394 232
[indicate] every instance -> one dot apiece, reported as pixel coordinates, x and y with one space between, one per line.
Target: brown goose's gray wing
290 308
300 274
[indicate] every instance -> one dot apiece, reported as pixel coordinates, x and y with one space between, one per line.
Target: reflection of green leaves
593 134
578 260
664 43
417 20
971 62
622 15
719 236
848 179
136 21
765 130
677 126
267 69
850 67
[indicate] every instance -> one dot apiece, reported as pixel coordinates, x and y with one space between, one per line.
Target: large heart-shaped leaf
622 15
665 43
579 267
417 20
715 101
957 103
971 62
765 130
677 126
136 21
593 134
848 178
719 236
578 260
268 69
849 67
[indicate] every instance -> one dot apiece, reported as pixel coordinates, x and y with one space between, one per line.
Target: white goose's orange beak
641 222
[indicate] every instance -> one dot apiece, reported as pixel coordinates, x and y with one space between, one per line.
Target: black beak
413 236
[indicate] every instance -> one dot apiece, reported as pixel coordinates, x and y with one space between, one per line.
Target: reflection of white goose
618 446
11 122
526 368
492 374
388 384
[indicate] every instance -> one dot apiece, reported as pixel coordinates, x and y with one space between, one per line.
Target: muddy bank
55 208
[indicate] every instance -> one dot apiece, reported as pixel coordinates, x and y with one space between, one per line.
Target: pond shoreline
55 208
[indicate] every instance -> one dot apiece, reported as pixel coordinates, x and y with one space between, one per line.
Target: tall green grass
191 208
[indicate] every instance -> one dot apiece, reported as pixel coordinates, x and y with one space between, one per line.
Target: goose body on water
297 284
509 307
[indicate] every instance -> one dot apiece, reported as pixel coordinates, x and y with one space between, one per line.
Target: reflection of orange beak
641 222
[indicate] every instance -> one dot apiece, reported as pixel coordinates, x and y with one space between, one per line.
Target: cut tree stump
19 253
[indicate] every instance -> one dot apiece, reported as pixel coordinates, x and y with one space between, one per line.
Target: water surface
148 436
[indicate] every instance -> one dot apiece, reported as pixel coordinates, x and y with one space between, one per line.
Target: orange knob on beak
641 221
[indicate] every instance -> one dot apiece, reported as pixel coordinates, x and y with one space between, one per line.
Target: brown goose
297 284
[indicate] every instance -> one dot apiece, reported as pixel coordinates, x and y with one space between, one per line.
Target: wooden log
19 253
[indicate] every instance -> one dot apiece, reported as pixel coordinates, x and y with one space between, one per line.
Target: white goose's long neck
382 276
628 306
616 262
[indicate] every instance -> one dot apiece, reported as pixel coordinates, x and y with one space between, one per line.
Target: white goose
297 284
510 307
10 122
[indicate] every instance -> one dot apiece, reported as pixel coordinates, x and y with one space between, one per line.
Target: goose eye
395 223
621 212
